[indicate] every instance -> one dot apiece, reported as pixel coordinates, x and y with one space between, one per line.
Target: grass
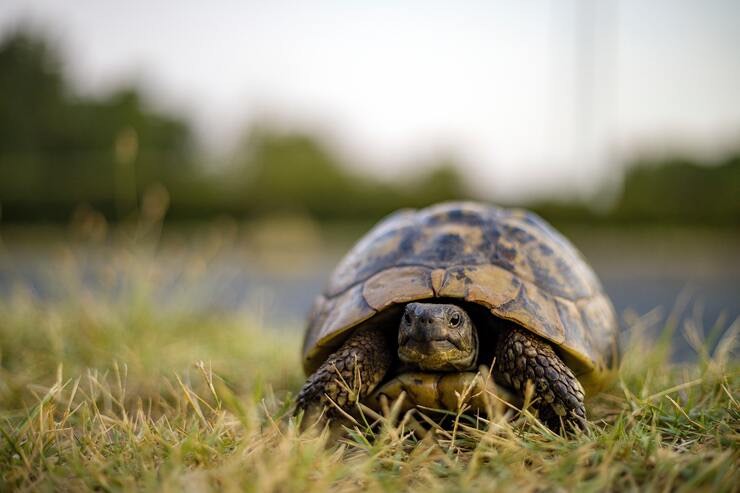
102 388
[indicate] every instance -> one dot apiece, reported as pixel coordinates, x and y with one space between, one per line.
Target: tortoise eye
407 318
455 319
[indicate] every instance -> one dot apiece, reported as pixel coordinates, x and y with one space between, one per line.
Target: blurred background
235 150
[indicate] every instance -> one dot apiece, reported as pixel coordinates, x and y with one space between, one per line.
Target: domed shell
508 260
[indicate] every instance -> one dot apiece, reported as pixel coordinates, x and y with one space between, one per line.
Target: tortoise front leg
522 357
349 374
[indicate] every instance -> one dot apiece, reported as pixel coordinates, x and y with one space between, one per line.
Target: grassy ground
101 390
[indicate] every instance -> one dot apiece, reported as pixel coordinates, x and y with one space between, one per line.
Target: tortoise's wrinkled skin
521 358
510 262
437 337
350 373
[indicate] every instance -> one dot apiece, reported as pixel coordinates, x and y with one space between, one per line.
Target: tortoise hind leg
348 374
522 356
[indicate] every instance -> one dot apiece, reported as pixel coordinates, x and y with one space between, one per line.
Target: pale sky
533 97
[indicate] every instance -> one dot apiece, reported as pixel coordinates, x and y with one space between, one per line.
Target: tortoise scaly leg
348 374
522 357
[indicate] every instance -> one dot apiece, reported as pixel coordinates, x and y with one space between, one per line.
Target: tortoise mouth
429 346
435 355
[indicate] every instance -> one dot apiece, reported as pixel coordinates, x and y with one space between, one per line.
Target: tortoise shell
508 260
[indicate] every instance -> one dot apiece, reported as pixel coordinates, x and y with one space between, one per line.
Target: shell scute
399 285
534 309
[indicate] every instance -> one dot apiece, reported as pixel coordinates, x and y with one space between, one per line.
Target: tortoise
428 295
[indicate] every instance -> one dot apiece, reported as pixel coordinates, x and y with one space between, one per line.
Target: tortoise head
437 336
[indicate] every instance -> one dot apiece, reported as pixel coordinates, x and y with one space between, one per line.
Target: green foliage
33 95
673 190
294 172
59 149
681 190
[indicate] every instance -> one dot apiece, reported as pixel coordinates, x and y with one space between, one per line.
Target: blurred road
642 272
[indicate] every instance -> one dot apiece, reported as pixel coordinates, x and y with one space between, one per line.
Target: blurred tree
58 149
33 95
294 172
678 189
442 181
